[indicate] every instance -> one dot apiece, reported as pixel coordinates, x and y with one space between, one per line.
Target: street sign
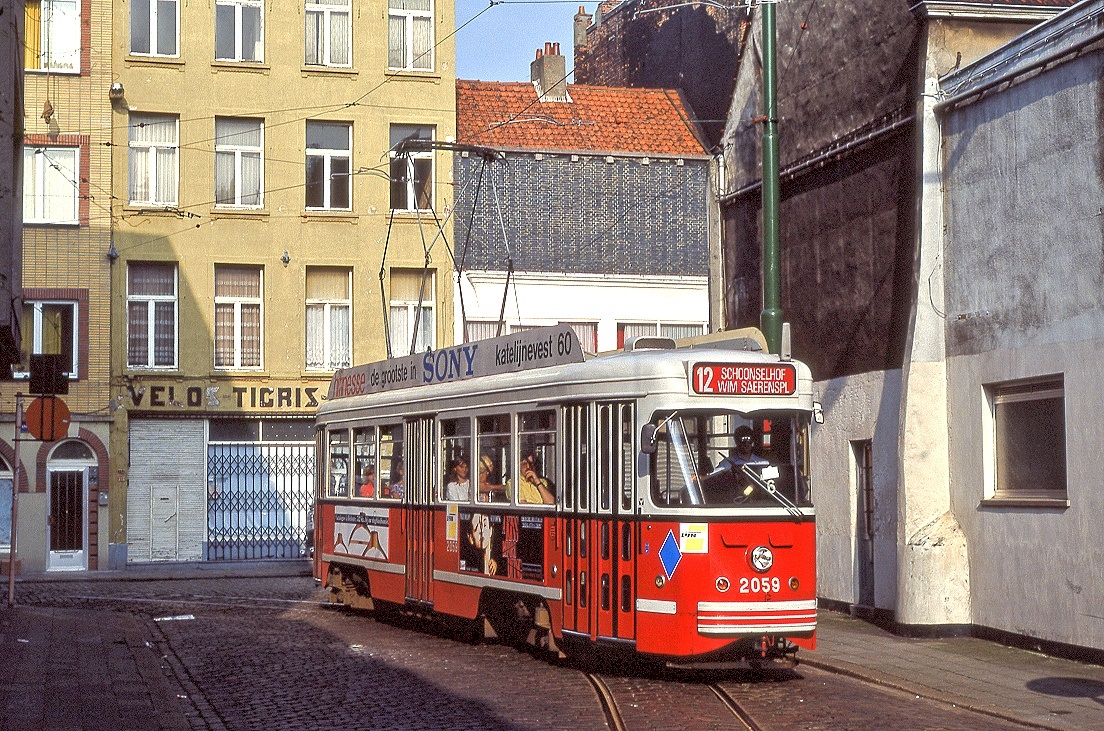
47 418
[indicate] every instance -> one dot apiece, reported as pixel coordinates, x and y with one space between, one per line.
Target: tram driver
728 474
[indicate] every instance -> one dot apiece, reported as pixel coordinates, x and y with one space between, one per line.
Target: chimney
582 20
549 74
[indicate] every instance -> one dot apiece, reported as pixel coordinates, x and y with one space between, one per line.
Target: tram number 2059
757 585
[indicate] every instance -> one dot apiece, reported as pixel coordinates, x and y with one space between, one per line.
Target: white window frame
155 6
997 394
37 161
407 16
239 8
327 9
238 151
328 305
237 302
328 155
73 368
151 301
399 349
411 191
152 149
52 29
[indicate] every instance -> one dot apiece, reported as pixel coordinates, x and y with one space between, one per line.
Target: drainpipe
770 320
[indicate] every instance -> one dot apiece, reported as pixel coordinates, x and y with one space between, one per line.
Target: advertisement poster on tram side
361 532
511 546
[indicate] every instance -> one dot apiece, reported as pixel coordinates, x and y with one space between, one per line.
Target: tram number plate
760 585
730 379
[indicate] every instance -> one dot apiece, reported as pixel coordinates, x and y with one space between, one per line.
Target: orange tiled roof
597 119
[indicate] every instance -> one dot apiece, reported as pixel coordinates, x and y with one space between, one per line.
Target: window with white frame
50 328
5 504
52 35
152 159
51 188
239 162
238 317
410 35
587 333
153 27
411 172
329 320
327 33
1029 438
329 162
239 30
412 320
151 315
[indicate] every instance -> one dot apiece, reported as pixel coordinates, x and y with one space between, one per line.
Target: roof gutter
978 11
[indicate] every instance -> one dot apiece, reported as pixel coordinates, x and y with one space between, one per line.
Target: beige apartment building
266 234
64 297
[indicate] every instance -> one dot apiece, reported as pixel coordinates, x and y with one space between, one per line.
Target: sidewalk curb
172 572
859 673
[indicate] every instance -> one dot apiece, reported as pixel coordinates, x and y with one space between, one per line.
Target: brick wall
585 215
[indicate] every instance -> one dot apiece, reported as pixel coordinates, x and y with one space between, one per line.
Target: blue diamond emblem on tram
669 554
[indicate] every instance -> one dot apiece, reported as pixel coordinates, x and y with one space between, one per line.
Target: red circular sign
47 418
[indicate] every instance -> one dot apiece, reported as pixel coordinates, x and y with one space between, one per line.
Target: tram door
576 511
599 560
417 498
615 557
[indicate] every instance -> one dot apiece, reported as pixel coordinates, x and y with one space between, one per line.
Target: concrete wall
1024 274
861 407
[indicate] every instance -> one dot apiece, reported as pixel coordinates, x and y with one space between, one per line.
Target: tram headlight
723 584
794 583
761 559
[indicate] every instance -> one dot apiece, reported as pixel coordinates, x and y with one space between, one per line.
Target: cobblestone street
268 653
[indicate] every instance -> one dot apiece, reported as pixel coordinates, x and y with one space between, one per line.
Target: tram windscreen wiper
769 488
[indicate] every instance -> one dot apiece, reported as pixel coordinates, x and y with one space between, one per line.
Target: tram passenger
398 479
458 480
489 491
533 488
366 481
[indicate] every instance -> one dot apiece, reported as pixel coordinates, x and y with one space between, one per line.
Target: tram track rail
733 705
616 722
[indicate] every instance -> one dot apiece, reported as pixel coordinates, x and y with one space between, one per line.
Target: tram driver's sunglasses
746 439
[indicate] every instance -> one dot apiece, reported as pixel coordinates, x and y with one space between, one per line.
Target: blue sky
500 44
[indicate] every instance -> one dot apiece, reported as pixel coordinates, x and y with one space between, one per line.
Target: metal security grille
258 499
66 516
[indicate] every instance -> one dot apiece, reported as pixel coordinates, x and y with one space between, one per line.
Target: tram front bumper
743 619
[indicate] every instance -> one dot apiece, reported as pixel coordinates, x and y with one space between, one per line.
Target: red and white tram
613 501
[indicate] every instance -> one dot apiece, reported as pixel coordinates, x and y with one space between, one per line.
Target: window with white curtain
412 320
49 328
329 165
52 35
153 27
151 315
152 159
51 188
238 317
329 321
482 330
587 333
239 30
327 33
676 330
239 161
410 35
411 172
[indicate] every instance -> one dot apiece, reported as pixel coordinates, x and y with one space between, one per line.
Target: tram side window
338 484
537 476
364 462
493 473
392 470
456 455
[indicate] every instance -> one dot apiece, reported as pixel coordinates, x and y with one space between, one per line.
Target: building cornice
977 11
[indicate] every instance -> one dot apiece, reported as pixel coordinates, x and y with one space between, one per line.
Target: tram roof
645 367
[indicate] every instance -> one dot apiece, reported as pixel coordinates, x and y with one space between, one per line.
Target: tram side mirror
648 438
818 412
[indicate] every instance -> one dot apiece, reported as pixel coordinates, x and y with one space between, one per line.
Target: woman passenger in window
458 480
533 489
488 491
366 482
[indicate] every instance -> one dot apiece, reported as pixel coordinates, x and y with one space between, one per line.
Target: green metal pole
770 320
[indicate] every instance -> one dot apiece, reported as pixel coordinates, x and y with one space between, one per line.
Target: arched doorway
67 480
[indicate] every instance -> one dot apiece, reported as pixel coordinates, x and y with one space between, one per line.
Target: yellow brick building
264 236
65 308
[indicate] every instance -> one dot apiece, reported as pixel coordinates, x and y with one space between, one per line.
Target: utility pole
770 320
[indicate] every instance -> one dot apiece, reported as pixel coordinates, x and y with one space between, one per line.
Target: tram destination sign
741 379
537 348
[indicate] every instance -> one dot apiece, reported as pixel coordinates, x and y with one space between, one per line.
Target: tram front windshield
730 459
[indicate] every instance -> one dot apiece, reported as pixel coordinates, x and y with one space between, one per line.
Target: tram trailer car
607 503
